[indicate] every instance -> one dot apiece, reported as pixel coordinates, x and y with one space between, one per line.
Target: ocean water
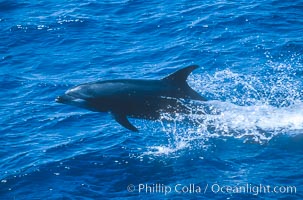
249 146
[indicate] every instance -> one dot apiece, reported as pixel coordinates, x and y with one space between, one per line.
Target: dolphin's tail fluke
179 78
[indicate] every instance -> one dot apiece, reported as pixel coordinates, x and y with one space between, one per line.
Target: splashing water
253 108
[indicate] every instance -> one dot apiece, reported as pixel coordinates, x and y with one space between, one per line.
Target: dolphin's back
174 86
122 87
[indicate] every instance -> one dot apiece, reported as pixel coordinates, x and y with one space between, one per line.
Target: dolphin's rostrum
145 99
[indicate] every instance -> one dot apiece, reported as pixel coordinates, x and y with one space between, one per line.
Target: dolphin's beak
58 99
71 100
64 98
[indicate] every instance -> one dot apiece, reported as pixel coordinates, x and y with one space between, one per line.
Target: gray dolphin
145 99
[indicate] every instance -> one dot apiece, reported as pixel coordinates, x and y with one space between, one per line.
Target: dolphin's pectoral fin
122 119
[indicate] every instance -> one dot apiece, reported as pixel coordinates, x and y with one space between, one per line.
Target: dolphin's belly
147 107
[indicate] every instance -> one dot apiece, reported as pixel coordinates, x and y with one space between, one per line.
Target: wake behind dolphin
145 99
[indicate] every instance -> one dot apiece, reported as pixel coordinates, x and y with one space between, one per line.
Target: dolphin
135 98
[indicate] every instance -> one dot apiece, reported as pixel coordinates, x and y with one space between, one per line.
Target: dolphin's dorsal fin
122 119
179 77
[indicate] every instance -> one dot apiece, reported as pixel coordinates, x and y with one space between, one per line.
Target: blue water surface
250 53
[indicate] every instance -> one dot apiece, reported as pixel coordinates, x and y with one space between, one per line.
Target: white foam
253 108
